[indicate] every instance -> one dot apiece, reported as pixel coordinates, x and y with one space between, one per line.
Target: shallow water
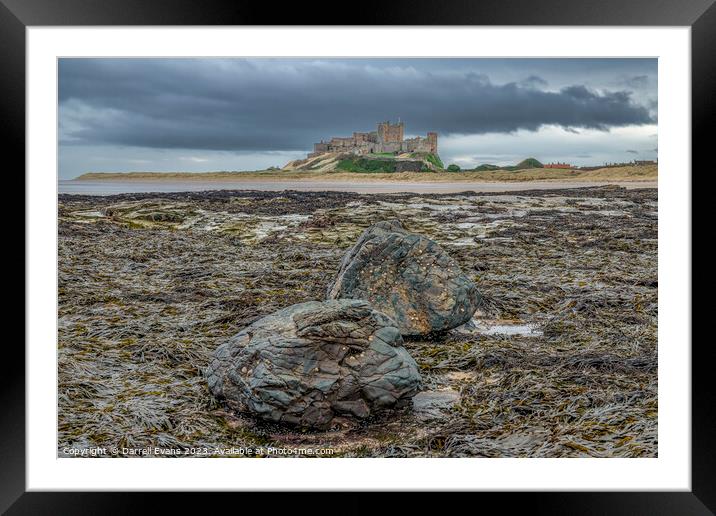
526 330
498 327
117 187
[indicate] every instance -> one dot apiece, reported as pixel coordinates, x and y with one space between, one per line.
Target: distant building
558 165
641 163
386 138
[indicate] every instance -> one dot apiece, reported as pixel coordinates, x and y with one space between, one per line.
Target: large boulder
312 362
409 278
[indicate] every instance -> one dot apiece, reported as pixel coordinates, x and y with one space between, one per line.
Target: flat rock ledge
408 277
313 362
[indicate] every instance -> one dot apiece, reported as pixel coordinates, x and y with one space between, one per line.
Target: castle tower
433 141
390 133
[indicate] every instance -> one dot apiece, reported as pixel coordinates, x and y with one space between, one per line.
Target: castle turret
433 141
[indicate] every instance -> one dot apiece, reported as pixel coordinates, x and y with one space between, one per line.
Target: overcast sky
248 114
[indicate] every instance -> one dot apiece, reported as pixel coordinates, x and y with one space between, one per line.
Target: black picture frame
700 15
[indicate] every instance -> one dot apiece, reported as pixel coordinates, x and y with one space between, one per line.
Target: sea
120 187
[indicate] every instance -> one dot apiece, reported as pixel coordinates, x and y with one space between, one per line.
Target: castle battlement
386 138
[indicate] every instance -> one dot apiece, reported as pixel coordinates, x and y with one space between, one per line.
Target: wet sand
118 187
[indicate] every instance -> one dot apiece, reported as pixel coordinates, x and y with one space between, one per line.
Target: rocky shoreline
561 359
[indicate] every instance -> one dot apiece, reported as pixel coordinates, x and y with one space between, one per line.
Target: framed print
439 249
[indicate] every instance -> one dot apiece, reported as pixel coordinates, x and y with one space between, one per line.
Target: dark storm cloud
638 81
534 81
232 104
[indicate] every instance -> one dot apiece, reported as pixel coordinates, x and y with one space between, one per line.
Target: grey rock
409 278
313 362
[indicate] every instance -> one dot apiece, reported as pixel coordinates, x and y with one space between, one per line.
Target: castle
387 138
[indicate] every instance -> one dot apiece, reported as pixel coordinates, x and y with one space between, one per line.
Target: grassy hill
368 163
358 164
525 164
529 163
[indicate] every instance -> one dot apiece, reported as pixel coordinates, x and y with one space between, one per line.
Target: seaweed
150 284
